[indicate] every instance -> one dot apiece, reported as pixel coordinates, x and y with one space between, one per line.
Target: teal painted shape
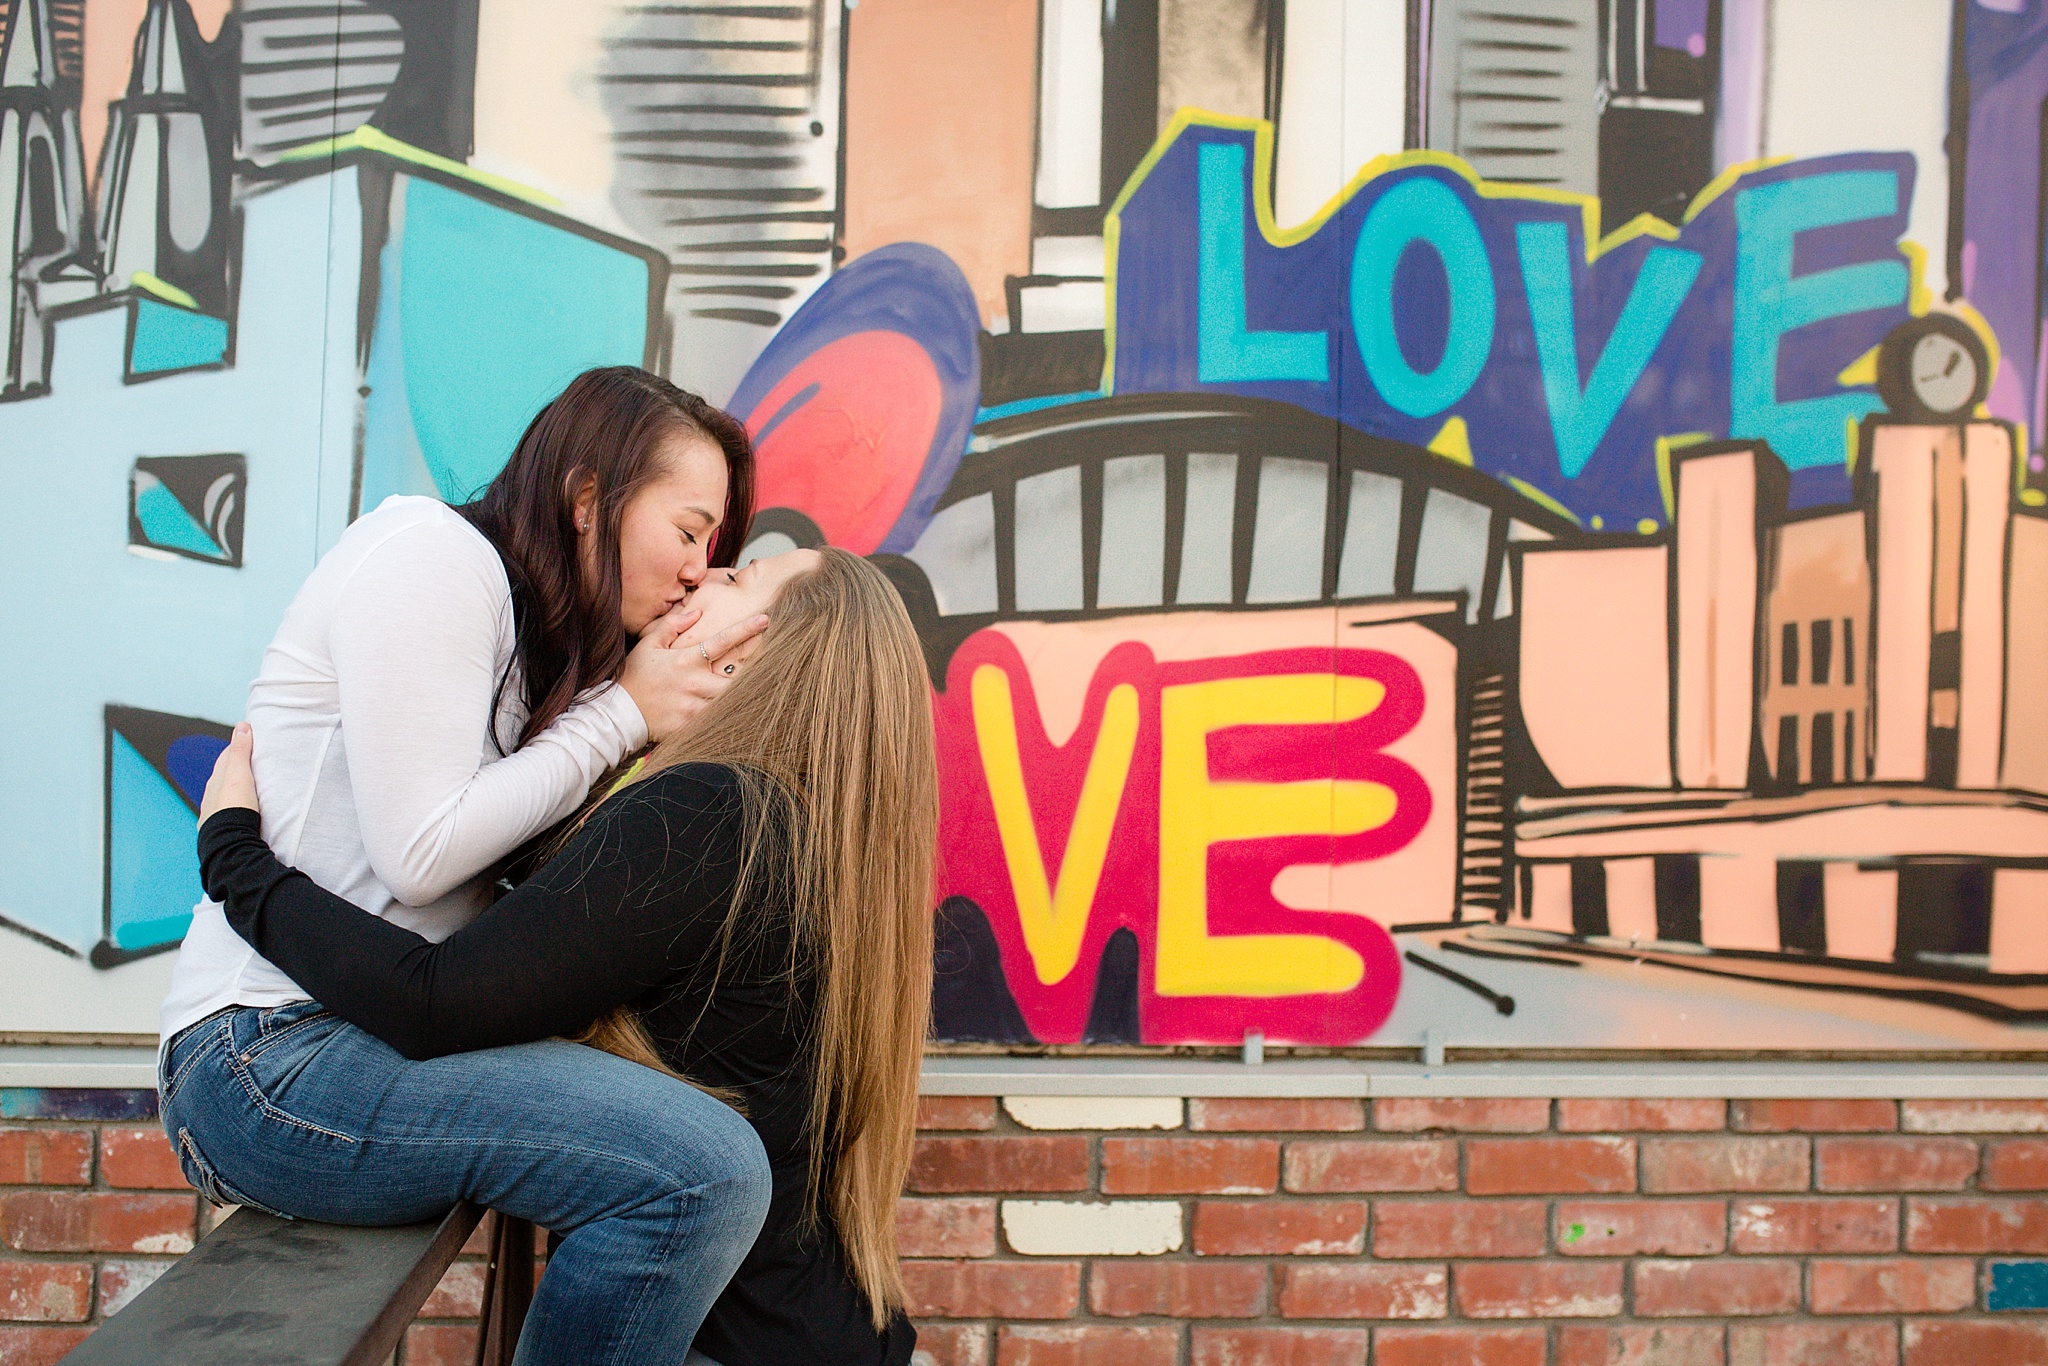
166 523
2017 1286
498 312
1771 301
152 854
1422 211
1580 418
1228 351
167 338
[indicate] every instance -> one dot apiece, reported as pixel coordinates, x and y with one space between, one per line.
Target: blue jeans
658 1189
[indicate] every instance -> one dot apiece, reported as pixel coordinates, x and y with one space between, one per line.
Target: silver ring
704 652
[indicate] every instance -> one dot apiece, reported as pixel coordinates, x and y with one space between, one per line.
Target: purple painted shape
2006 55
1682 24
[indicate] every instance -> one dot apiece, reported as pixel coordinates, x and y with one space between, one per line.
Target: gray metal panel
1512 89
1132 569
725 154
260 1291
1049 542
958 555
311 71
1207 528
1372 536
1452 552
1287 535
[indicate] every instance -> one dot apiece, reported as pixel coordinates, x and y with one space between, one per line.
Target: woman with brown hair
756 900
448 684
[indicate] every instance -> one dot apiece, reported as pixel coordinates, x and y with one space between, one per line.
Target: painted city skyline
1421 517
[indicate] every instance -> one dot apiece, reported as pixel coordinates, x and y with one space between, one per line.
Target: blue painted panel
498 311
153 859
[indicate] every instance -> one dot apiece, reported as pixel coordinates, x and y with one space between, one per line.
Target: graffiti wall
1512 524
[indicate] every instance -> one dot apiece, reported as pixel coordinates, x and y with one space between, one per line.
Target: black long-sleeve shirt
631 912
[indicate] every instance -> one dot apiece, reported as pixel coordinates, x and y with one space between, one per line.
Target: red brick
1814 1344
140 1159
54 1221
1720 1289
1458 1347
1590 1115
1635 1228
1817 1116
1974 1116
2017 1164
1372 1164
1279 1347
1411 1114
39 1346
1190 1166
1539 1290
460 1294
1363 1291
1279 1228
1807 1225
1680 1165
1961 1224
1535 1166
440 1344
992 1290
1327 1115
956 1112
1666 1344
1967 1343
1893 1164
1892 1285
1458 1228
954 1344
999 1164
945 1228
45 1157
1120 1288
45 1292
1089 1345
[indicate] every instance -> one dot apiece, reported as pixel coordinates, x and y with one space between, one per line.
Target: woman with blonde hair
752 909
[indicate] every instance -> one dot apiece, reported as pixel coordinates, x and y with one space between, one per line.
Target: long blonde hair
830 729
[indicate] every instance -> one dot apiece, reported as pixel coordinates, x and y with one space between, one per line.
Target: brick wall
1479 1232
1069 1232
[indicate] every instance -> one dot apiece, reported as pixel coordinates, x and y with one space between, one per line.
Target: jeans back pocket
199 1173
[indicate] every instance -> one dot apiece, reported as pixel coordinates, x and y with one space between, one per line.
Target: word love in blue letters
1425 294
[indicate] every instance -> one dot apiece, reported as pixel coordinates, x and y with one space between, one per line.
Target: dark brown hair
608 425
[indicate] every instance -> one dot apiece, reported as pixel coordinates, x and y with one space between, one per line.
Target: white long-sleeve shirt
374 753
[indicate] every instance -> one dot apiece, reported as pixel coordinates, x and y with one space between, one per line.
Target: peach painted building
1788 738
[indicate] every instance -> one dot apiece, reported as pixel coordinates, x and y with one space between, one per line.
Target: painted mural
1493 524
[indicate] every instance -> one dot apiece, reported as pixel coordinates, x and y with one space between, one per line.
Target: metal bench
261 1291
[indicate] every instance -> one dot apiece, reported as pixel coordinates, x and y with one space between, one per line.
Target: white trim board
958 1076
129 1068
